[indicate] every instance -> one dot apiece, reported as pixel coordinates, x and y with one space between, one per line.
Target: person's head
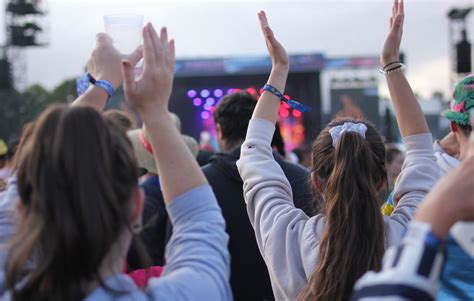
394 159
348 171
231 116
79 202
461 105
120 118
143 150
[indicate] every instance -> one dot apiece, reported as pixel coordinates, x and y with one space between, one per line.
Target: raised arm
197 256
105 64
178 170
420 171
410 117
284 233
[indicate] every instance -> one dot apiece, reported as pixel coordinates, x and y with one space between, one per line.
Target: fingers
156 43
135 56
171 56
128 74
269 34
157 49
394 8
164 37
398 22
263 20
103 39
148 48
401 8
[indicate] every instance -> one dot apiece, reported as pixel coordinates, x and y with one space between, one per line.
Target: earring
137 228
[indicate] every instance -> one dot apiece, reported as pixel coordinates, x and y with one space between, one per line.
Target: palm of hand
276 50
391 48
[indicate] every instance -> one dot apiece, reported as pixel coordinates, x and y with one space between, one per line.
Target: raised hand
450 145
391 48
276 50
105 61
153 89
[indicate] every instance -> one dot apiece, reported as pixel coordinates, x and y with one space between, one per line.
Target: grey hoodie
288 239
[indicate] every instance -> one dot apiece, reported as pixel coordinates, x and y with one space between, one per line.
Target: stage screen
356 98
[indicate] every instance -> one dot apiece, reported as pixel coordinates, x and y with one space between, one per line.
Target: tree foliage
21 108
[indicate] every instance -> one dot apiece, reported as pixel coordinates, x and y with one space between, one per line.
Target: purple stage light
192 93
197 102
205 115
210 101
218 93
205 93
230 91
207 107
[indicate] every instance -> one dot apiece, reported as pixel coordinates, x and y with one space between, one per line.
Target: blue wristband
291 102
83 83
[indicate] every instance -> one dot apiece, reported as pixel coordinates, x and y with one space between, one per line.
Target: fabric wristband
291 102
83 83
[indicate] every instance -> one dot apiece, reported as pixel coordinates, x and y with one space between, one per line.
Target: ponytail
353 239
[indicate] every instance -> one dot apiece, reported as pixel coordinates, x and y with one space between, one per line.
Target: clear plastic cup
125 31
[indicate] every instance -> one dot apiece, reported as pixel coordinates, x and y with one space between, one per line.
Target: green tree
21 108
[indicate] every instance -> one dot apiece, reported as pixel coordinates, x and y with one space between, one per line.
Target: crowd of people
93 209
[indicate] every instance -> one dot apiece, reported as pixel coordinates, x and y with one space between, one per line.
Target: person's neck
230 146
463 149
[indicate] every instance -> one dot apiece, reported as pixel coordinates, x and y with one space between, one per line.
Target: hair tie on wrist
390 64
400 67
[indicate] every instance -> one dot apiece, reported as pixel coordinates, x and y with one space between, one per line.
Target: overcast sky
230 28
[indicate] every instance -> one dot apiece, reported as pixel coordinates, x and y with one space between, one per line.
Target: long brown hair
353 239
76 176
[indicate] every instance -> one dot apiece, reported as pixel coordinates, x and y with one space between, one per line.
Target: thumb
135 56
128 74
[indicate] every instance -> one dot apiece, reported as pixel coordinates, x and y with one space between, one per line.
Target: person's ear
219 131
382 183
138 203
454 127
316 182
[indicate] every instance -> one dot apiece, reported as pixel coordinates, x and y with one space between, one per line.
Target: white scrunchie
337 131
